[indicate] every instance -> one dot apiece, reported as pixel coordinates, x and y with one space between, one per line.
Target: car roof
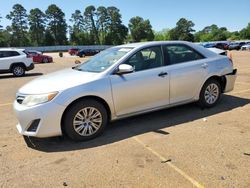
141 44
11 49
199 48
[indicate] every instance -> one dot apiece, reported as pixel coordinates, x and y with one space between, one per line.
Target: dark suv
87 52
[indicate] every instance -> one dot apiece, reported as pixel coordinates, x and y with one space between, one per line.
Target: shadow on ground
127 128
26 75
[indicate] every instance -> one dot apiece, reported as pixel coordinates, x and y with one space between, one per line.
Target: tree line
98 25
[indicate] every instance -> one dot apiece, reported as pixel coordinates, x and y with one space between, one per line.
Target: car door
187 69
144 89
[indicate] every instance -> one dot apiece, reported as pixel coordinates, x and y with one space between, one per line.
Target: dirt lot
178 147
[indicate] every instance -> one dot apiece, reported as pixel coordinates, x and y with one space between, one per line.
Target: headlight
32 100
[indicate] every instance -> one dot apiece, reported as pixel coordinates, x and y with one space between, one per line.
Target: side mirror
124 69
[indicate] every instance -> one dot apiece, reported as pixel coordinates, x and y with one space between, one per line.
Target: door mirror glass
124 69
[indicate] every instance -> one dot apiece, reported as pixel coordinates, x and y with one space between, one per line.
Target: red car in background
73 51
38 57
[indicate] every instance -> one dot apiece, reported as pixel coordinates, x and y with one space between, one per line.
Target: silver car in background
119 82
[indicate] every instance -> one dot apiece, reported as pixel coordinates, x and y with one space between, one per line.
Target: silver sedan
119 82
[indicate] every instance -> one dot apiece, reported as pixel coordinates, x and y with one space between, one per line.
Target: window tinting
8 54
146 59
180 53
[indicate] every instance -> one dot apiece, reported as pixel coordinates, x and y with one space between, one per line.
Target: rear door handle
204 65
163 74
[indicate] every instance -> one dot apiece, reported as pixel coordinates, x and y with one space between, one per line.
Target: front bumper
49 115
230 81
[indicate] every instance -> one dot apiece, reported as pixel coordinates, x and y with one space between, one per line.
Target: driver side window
147 58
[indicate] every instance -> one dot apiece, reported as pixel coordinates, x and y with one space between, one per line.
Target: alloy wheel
87 121
211 93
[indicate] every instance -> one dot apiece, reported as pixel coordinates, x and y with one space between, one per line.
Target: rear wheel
45 60
18 70
85 120
210 93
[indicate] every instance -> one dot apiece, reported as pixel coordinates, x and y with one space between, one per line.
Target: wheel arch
221 79
17 63
99 99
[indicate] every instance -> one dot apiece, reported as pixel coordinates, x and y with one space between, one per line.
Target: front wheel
85 120
210 93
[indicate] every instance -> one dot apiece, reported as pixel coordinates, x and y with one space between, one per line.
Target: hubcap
87 121
211 93
18 71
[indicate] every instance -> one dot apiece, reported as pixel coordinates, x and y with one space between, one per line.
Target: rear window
180 53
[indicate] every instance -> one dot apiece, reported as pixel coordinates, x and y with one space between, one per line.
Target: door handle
163 74
204 65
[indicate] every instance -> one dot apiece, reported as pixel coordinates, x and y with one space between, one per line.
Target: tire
18 70
45 60
85 120
82 55
210 93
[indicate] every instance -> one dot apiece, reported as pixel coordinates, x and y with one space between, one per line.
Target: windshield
103 60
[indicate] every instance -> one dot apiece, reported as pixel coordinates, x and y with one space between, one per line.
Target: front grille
20 99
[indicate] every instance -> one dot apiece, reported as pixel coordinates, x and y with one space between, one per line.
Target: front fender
98 88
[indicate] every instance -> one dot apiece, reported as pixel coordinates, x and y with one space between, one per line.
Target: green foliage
37 22
97 26
117 32
77 28
102 23
57 26
183 30
49 39
19 26
212 33
245 33
162 35
141 30
1 25
90 21
5 38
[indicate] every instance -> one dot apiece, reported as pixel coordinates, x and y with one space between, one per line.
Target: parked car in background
222 45
15 61
119 82
246 47
87 52
235 45
209 45
219 45
73 51
38 57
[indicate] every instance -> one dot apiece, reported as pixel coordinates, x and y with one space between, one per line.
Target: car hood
58 81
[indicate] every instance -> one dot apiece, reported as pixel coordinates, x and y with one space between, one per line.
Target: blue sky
233 14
